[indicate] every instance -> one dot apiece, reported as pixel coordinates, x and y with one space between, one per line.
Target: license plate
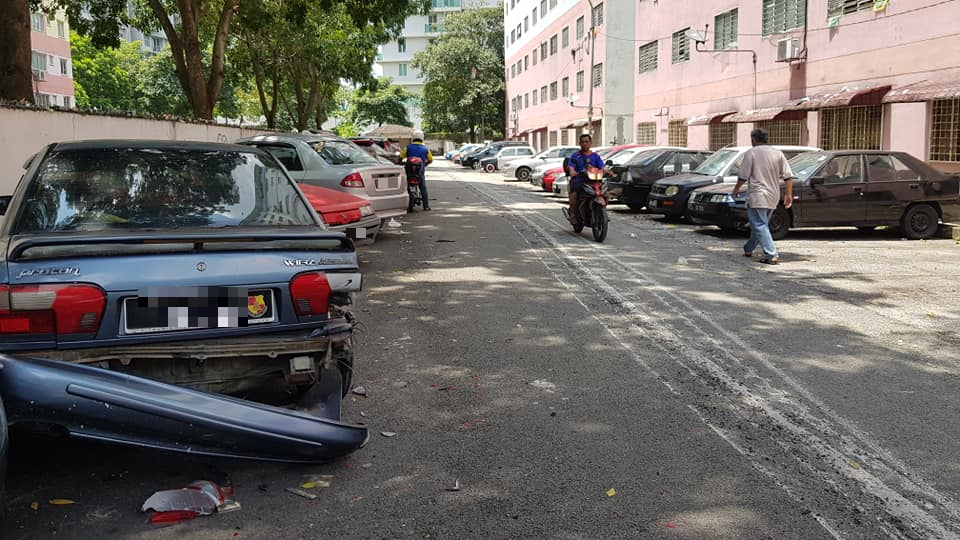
654 204
169 309
696 207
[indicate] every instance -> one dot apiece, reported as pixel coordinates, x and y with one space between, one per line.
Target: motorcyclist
420 150
577 165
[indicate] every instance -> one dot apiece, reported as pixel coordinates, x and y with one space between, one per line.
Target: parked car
510 154
473 160
522 168
453 153
343 212
391 147
853 188
374 150
141 279
336 163
465 151
670 195
634 177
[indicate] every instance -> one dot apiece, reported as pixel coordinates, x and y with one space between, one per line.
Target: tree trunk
16 77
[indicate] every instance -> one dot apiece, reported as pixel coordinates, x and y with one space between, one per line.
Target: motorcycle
592 205
414 170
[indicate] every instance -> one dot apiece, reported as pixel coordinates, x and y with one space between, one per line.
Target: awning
712 118
763 115
578 124
846 96
924 91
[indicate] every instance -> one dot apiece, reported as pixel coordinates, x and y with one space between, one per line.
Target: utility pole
593 40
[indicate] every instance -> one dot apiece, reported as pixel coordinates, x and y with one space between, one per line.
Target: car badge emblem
201 266
256 305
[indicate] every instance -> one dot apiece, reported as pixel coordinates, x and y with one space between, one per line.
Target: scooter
414 170
592 205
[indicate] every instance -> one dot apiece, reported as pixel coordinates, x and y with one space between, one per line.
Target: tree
463 72
381 103
103 77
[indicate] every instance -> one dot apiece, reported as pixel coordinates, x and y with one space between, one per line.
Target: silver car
522 169
335 163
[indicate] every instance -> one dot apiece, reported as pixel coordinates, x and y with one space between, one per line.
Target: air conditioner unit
788 50
39 75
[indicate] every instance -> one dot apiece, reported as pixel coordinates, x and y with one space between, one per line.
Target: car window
286 155
153 188
843 170
887 168
717 163
687 161
337 152
524 152
735 166
644 158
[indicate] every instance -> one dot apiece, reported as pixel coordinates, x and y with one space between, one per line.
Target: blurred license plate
654 204
697 207
167 309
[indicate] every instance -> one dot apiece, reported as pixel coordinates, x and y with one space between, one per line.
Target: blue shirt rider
576 169
420 150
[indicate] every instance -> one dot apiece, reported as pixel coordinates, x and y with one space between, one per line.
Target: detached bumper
658 204
719 214
369 226
98 404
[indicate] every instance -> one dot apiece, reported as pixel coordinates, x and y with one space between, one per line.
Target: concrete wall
26 131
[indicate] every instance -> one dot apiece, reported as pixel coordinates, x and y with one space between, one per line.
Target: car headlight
366 210
722 198
671 191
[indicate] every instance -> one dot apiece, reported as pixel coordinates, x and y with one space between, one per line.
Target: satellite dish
697 36
573 98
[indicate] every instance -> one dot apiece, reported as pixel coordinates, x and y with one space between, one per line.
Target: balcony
433 28
445 4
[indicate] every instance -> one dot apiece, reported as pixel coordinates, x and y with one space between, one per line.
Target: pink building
52 64
829 73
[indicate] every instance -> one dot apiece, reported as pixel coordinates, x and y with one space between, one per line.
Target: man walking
763 168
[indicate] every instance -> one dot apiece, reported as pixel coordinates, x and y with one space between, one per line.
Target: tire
344 360
523 174
600 223
475 165
779 223
490 167
578 228
920 222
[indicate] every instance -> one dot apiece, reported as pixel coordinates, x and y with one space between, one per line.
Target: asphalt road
656 386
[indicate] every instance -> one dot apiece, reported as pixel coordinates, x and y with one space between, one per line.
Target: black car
632 180
473 160
854 188
670 195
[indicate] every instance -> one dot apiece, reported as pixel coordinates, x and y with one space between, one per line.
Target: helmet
418 135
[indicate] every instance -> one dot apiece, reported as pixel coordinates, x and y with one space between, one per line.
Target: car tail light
310 293
353 180
51 309
549 177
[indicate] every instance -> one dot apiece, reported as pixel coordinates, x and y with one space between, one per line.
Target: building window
681 46
564 137
402 45
945 130
39 61
526 24
565 86
565 37
519 31
543 50
597 75
61 29
851 128
543 8
402 70
534 57
596 18
553 91
534 16
844 7
781 16
553 45
553 4
725 30
677 133
579 28
722 135
513 70
647 133
64 67
526 62
648 57
580 81
526 100
784 132
553 138
535 96
36 22
513 37
67 102
42 100
543 94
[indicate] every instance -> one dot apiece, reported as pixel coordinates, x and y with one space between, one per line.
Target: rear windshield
144 188
342 153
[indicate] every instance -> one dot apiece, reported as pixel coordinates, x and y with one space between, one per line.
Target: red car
342 211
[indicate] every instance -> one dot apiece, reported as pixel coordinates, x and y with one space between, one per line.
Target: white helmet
418 135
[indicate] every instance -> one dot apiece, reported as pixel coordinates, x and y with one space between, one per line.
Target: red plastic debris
173 516
670 525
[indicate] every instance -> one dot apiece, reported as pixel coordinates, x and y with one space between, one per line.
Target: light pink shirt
764 168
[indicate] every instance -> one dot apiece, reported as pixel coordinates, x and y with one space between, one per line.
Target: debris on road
201 497
301 493
317 480
611 492
34 506
455 486
359 390
544 385
393 224
366 465
62 502
388 433
174 516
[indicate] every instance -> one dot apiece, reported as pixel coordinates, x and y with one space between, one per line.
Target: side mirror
28 162
816 181
609 163
5 203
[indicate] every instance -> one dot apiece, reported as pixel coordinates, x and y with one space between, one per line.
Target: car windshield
337 152
804 165
717 163
642 158
153 188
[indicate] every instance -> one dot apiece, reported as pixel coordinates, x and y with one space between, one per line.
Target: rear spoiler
19 245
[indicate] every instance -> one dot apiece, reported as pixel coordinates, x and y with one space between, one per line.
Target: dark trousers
423 190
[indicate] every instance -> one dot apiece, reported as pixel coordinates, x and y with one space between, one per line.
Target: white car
506 155
521 169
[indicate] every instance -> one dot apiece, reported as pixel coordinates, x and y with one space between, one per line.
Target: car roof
306 137
116 144
777 146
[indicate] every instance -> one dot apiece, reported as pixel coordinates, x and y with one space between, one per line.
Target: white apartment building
396 57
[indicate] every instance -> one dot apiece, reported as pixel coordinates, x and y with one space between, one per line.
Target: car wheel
779 223
490 167
523 174
636 207
920 222
475 165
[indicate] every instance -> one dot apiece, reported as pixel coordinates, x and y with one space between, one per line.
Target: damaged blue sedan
148 288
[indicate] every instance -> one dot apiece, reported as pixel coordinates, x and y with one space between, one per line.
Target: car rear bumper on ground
719 214
99 404
392 205
370 225
668 206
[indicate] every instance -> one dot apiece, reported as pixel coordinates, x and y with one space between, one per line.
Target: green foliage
381 103
463 69
104 75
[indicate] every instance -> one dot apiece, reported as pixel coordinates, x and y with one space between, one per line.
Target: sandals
770 260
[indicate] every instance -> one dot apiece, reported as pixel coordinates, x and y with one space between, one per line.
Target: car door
891 186
836 194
